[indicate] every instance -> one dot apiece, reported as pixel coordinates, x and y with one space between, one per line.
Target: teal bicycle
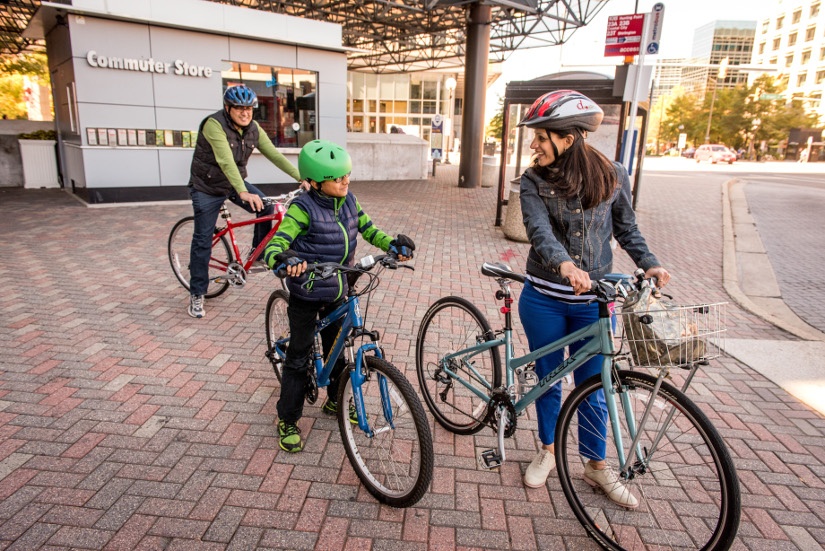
666 451
384 426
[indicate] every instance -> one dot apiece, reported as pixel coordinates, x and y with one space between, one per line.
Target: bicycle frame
599 335
352 326
276 217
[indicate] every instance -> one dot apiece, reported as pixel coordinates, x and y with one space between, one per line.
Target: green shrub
39 135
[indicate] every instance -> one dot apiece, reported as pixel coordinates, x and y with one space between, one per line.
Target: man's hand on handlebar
253 200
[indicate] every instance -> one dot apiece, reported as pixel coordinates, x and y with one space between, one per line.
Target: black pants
302 316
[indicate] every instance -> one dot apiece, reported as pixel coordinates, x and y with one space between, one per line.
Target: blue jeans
545 320
206 209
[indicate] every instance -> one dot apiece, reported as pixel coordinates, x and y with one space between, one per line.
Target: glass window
357 106
789 60
285 97
822 54
430 90
797 15
791 39
820 77
762 48
810 33
800 80
776 43
814 10
415 90
806 56
779 22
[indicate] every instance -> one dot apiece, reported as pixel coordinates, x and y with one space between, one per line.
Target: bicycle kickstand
494 457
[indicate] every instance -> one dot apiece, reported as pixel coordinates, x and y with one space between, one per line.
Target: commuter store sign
177 67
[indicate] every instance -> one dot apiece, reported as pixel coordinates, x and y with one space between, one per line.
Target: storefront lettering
178 67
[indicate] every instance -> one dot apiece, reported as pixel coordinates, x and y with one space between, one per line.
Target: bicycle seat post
225 214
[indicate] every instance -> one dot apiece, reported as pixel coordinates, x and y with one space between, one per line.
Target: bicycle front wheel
395 464
452 324
180 243
684 481
277 330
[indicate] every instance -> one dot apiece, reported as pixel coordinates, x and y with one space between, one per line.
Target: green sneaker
331 408
290 437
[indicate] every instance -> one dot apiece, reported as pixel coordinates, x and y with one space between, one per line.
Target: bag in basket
658 332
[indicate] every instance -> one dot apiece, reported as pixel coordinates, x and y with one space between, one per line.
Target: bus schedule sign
624 35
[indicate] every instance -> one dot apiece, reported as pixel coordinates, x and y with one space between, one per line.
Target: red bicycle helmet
563 110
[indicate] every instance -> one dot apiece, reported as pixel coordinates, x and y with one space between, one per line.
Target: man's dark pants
206 209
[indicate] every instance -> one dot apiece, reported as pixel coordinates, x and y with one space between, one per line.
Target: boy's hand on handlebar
291 263
403 247
253 200
662 276
579 279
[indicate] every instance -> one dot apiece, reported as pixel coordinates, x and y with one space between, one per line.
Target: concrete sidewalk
125 424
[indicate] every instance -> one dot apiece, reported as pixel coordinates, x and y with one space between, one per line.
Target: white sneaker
196 306
539 469
608 480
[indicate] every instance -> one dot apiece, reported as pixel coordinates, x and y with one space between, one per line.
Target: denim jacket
559 229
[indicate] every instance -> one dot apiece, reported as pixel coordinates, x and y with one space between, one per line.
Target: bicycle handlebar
283 199
325 270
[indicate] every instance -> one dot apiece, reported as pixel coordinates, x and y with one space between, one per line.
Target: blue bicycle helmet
240 96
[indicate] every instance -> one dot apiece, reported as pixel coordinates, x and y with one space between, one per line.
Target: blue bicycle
390 447
665 450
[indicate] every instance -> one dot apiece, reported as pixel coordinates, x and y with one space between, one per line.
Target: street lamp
723 71
450 84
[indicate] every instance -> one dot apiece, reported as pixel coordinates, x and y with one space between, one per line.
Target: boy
320 226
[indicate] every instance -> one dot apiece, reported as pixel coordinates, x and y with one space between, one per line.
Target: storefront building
132 80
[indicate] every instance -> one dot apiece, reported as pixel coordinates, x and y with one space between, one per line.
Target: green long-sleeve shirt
214 134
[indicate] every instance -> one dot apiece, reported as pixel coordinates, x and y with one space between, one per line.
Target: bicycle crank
235 274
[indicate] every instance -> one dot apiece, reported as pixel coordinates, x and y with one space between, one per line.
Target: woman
573 200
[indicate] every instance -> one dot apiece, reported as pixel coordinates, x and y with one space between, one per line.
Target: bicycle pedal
489 459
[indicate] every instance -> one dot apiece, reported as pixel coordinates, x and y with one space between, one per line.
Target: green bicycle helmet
321 160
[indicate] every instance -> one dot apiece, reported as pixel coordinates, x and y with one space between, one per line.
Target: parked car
714 153
688 153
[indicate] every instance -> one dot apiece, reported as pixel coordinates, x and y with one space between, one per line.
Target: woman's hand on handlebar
662 276
579 279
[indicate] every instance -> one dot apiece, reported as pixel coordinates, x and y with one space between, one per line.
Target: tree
13 69
496 124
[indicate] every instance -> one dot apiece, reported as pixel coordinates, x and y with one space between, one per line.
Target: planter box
39 163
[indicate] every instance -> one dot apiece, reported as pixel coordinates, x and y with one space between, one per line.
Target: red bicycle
226 265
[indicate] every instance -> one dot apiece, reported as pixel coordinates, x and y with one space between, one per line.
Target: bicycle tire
277 329
180 242
688 491
450 324
396 463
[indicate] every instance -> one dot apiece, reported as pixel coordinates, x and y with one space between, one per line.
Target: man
226 139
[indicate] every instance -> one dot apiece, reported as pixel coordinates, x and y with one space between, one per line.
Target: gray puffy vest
205 174
331 237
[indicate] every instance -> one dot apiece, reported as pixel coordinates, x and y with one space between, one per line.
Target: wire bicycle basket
660 334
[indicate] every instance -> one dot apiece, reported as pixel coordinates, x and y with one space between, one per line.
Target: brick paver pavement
125 424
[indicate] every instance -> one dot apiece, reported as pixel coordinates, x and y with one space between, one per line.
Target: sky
585 49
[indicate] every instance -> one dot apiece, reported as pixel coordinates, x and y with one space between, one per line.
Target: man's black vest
205 174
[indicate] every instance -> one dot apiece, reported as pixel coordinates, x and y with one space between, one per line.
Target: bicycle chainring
311 390
235 274
500 397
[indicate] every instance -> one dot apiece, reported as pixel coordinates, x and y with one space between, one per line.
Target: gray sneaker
196 306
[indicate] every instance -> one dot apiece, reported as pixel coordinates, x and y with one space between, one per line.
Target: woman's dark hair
581 170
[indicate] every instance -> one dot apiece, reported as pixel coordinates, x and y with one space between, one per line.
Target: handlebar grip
280 270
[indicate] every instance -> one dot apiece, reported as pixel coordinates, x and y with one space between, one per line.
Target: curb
741 238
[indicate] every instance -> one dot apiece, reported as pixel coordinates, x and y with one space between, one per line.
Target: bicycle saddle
498 269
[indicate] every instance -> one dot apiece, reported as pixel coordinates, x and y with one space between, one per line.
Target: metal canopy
393 36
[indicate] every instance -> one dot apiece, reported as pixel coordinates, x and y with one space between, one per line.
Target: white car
714 153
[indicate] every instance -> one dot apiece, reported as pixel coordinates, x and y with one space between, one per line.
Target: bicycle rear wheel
180 243
687 488
277 330
452 324
395 464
